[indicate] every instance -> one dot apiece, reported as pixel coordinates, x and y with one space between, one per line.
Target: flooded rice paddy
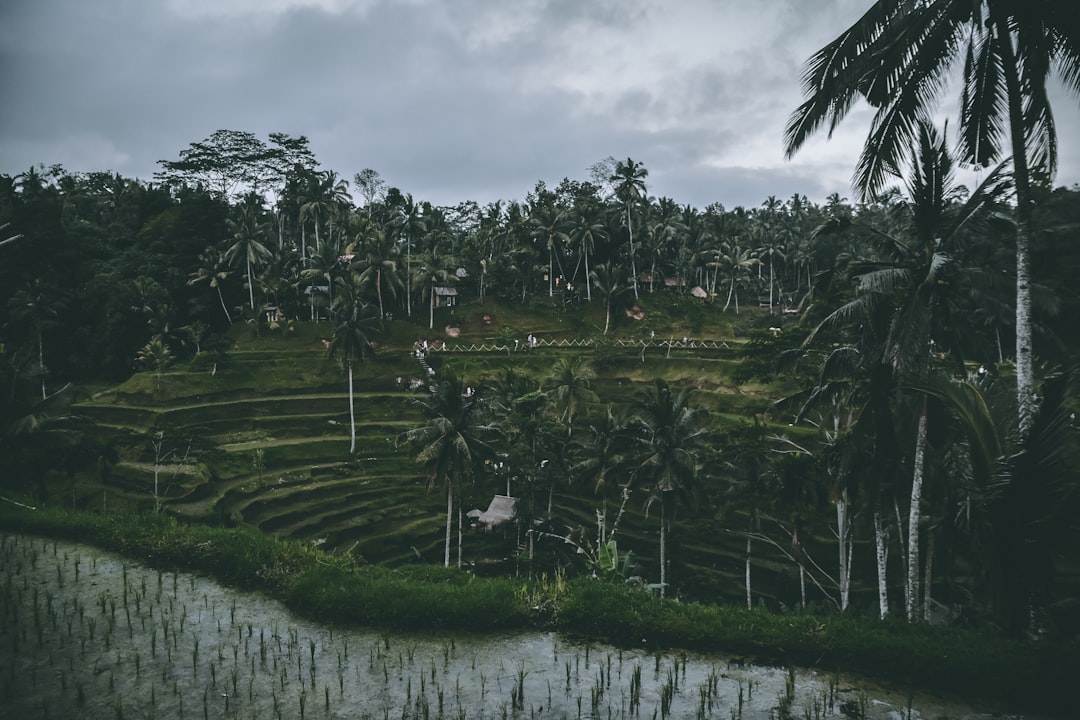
89 634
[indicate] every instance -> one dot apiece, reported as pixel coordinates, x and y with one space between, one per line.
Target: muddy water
88 634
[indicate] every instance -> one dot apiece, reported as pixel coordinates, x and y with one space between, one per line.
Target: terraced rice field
227 446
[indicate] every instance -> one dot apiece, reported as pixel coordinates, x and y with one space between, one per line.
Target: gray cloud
470 100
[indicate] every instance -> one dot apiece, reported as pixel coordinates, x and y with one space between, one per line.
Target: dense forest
894 367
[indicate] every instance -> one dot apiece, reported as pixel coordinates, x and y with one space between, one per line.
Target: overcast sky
449 100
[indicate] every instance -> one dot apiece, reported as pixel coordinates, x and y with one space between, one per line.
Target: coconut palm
899 55
37 306
733 263
568 386
433 268
409 224
629 184
916 286
610 283
355 326
454 442
547 224
670 436
588 228
249 233
213 268
377 263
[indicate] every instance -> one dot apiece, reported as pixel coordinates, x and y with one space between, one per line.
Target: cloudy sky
449 100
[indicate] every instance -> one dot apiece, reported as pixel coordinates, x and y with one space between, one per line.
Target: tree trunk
588 283
221 298
882 554
663 547
928 577
749 598
1025 375
633 263
431 309
842 533
911 589
352 415
41 360
459 537
251 284
449 521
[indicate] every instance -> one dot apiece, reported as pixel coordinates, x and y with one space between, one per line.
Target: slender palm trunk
431 309
749 597
911 594
221 299
633 262
928 577
588 285
730 292
251 284
352 415
843 533
41 361
882 555
551 274
459 537
378 291
1025 375
663 549
449 521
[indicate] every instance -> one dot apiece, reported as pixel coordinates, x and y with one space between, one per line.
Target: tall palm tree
355 326
548 224
899 55
610 283
569 386
629 183
378 265
733 263
917 284
409 224
454 442
433 268
213 267
670 438
588 228
249 232
325 196
37 306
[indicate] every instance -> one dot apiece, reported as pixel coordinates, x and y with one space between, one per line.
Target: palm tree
733 263
213 267
900 54
547 225
588 228
663 227
610 284
248 233
409 224
915 285
378 265
326 195
454 443
670 437
629 182
432 269
352 339
767 230
569 387
38 306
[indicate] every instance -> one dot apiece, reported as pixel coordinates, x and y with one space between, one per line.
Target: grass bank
1026 676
